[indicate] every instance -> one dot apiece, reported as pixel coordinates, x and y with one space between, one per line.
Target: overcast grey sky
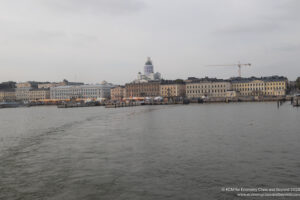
95 40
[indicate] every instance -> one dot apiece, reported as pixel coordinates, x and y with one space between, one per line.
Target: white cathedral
149 74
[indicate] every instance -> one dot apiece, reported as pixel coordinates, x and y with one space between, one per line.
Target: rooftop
85 86
204 80
149 61
253 78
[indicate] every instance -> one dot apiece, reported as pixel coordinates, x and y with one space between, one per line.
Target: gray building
81 91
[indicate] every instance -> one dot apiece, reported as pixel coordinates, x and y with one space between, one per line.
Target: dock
121 104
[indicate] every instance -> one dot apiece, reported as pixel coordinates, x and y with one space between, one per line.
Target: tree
180 81
7 85
298 83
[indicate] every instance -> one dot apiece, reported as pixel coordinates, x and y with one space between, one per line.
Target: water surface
147 152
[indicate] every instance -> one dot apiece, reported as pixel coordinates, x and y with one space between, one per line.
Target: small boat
296 100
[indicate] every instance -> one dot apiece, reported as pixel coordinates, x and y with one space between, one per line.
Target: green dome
149 62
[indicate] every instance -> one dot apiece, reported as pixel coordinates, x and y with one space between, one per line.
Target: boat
296 100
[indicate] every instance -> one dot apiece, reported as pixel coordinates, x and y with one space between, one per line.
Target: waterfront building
22 93
149 74
206 87
9 95
143 89
232 94
118 93
264 86
81 91
31 94
39 94
172 88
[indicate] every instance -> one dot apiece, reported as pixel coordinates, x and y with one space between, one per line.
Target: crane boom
239 65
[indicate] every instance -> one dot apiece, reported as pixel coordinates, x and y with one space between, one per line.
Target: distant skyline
94 40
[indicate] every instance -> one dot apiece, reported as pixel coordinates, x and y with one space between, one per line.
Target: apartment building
207 87
31 94
145 89
117 93
8 95
81 91
264 86
172 88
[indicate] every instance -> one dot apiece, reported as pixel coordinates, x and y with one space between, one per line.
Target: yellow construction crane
239 65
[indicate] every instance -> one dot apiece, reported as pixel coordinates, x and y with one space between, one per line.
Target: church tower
148 68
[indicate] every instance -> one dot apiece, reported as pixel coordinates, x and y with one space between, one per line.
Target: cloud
289 48
115 7
109 39
250 28
290 10
263 17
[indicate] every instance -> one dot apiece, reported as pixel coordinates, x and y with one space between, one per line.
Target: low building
264 86
207 87
172 88
118 93
81 91
8 95
147 89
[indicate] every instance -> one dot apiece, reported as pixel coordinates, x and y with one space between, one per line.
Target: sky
96 40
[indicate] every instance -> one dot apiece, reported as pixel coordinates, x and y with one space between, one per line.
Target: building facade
31 94
172 89
39 94
207 87
22 93
81 91
147 89
264 86
117 93
7 96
